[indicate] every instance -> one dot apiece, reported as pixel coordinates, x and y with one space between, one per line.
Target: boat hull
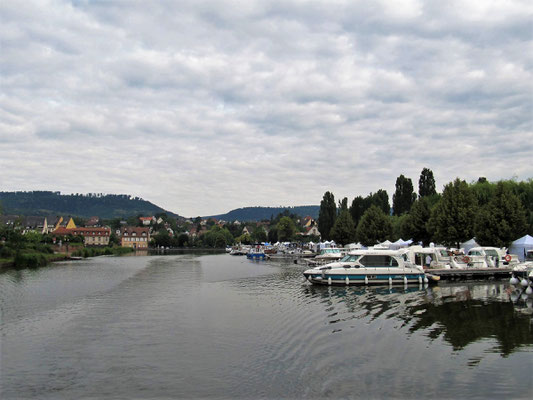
390 278
258 256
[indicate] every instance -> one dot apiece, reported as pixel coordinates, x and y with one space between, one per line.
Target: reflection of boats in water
459 314
368 267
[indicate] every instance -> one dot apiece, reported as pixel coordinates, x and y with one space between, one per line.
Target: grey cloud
186 99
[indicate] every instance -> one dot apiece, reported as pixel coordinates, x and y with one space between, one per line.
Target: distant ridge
261 213
44 203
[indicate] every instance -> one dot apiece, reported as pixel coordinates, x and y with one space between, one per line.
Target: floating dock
471 273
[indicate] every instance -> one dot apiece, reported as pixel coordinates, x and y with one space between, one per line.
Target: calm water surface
218 326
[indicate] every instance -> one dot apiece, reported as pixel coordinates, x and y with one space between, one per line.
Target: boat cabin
429 257
491 257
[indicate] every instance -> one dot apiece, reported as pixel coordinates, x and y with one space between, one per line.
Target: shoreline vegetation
35 258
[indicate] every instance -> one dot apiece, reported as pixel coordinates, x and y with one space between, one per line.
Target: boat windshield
376 261
492 253
443 253
349 258
331 251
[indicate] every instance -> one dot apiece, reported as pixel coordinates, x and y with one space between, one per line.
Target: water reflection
459 314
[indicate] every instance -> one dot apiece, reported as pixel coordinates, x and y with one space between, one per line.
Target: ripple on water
219 326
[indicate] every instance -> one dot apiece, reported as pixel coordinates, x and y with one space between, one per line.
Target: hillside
43 203
262 213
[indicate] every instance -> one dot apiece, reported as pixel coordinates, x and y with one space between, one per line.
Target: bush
6 252
29 260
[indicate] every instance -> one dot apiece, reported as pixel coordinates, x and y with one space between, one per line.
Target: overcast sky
205 106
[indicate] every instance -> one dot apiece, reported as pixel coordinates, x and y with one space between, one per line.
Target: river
218 326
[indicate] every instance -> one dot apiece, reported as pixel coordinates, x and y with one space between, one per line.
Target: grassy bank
101 251
39 257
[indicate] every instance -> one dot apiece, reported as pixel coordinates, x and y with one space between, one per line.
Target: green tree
259 235
220 241
183 239
416 222
452 219
398 227
357 209
162 238
374 227
245 238
426 183
113 239
379 199
404 196
343 231
326 215
273 234
286 229
502 220
484 191
343 205
217 237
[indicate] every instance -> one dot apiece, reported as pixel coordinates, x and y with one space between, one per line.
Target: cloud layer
206 106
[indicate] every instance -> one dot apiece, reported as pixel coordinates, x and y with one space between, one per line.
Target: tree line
495 213
44 203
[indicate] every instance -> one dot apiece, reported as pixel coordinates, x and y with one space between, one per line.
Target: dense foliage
452 220
344 229
426 183
327 215
44 203
264 213
404 196
374 227
495 213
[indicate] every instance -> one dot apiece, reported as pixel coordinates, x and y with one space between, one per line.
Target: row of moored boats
409 265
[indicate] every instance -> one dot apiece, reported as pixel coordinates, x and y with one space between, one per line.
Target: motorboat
369 267
523 272
239 250
329 254
489 257
256 253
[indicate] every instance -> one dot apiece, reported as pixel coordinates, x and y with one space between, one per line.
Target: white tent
468 245
520 246
353 246
398 244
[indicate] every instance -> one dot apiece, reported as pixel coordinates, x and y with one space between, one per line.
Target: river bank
30 258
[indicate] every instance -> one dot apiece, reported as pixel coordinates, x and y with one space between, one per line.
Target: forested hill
261 213
43 203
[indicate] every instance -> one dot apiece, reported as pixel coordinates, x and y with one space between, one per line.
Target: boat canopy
400 243
468 245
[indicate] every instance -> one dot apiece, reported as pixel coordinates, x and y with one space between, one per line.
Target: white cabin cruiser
368 267
489 257
329 254
523 272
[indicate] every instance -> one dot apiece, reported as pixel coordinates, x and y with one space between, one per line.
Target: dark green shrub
29 260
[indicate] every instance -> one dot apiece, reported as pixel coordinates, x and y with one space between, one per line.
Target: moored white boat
369 267
489 257
523 273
